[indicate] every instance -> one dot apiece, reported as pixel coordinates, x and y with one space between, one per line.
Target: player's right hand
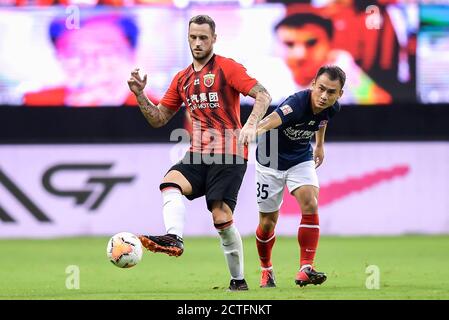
136 83
318 155
248 133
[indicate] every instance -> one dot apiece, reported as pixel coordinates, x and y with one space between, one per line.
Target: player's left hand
318 156
248 133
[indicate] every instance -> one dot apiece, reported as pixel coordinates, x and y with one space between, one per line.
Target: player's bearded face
201 40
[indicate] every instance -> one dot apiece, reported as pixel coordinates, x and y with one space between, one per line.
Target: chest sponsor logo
295 134
203 100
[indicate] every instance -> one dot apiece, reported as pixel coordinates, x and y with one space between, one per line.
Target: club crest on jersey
208 79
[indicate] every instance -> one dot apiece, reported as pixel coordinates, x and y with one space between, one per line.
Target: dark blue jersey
294 134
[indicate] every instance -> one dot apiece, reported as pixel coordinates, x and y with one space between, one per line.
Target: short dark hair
202 19
334 73
300 19
126 23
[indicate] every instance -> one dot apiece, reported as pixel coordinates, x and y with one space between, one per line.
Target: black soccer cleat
308 275
170 244
238 285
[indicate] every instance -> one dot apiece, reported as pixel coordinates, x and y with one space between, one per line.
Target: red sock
308 235
265 242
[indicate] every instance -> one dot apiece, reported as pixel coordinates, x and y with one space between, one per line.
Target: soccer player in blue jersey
294 165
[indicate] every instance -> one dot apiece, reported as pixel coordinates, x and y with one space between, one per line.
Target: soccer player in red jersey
216 162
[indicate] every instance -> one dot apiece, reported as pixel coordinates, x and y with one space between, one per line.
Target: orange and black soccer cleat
267 279
170 244
307 275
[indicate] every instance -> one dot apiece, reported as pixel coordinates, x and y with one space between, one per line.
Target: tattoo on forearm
149 110
263 100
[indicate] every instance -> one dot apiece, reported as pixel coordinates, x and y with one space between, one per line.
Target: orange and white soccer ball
124 250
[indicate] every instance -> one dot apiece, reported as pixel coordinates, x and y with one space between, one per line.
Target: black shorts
217 181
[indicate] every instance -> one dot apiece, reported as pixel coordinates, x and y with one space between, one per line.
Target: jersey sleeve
290 110
236 76
172 99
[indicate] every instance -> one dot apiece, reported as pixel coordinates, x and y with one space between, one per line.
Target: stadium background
87 169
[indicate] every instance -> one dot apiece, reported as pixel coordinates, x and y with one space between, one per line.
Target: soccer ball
124 250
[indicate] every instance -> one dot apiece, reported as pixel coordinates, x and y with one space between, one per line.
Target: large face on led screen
96 57
306 50
43 63
51 57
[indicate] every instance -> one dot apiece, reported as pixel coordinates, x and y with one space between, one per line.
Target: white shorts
271 183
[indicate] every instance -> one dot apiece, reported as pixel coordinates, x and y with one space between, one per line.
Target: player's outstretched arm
263 100
273 120
318 153
157 116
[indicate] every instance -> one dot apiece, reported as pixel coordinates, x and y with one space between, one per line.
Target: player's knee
221 213
309 206
267 223
221 217
267 226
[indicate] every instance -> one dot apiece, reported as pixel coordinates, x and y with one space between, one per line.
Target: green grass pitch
410 267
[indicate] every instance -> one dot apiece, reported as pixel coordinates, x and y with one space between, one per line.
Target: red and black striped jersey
212 97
